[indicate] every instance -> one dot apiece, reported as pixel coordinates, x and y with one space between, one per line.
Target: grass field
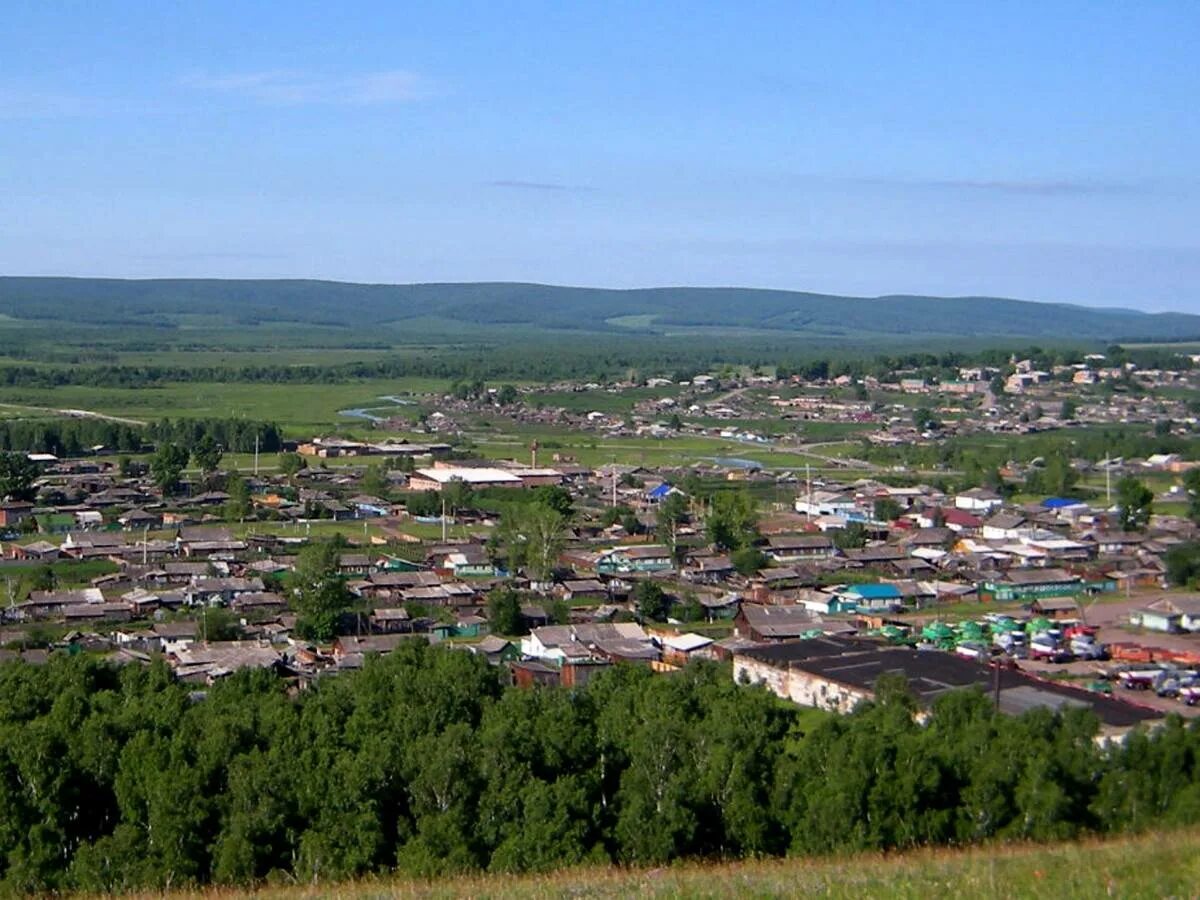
302 409
1147 866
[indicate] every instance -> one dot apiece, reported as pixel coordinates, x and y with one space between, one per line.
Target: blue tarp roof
1058 502
659 492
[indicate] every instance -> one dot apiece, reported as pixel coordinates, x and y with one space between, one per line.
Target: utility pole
443 520
256 454
145 540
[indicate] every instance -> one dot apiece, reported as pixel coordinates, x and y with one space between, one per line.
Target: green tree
748 560
670 516
1183 564
1191 484
886 509
852 537
291 464
206 454
533 536
504 611
17 476
507 395
321 595
733 521
167 465
1070 409
651 601
1135 503
375 483
238 506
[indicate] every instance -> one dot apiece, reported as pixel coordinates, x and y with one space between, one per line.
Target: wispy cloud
287 87
1043 187
520 185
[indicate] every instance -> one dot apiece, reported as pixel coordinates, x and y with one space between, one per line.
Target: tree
852 537
650 601
504 611
533 536
206 454
167 465
748 560
556 497
1183 564
238 506
886 510
1069 409
321 595
506 395
670 515
17 475
1191 484
291 464
733 521
924 419
1134 504
375 483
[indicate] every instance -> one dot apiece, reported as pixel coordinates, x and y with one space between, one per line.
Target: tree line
424 762
73 437
599 357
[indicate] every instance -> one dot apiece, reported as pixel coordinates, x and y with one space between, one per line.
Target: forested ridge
253 303
423 762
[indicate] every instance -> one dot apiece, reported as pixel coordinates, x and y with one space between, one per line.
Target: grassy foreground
1156 865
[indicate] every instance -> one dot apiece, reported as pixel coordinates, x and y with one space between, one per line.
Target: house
978 499
1171 614
775 623
638 558
707 569
462 561
208 662
172 637
784 549
1055 607
349 645
680 649
139 519
14 512
829 503
496 650
355 564
208 541
219 591
556 644
1004 526
390 620
581 590
529 673
871 598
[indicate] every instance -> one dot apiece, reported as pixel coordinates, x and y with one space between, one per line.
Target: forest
71 437
426 763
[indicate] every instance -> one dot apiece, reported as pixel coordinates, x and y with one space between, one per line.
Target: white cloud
285 87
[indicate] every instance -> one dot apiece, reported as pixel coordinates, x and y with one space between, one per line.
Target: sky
1041 150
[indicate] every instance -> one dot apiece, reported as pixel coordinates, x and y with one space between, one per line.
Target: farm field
301 409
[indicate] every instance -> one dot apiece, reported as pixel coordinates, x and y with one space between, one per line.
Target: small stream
370 412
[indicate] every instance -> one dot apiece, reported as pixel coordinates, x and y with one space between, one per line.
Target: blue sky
1039 150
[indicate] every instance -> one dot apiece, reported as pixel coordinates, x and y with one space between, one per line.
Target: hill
184 303
1156 865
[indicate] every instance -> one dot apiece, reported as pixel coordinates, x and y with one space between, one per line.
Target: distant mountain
171 303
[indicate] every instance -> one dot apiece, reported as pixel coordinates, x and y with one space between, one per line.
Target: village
813 583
